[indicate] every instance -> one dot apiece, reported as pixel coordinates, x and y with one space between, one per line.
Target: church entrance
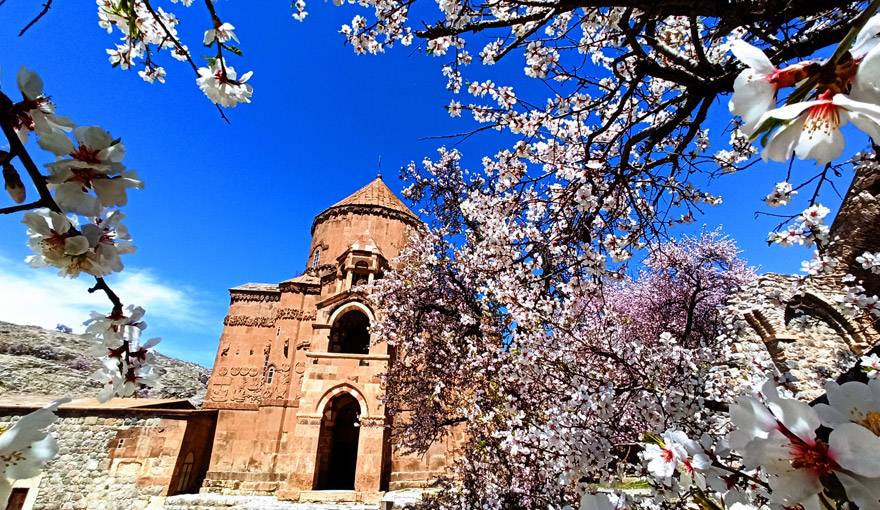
338 444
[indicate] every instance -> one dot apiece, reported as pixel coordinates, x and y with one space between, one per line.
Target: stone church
297 377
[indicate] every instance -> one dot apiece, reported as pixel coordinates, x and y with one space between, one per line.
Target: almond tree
555 384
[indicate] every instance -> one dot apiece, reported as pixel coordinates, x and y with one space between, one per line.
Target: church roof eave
375 197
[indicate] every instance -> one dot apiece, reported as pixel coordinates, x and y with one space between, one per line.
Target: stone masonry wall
111 461
78 477
792 329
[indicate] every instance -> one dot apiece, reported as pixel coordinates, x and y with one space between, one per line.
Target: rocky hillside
37 361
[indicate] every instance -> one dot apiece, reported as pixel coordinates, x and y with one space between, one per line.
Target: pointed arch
349 306
335 391
814 305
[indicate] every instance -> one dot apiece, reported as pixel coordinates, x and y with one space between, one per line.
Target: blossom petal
798 417
76 245
93 137
752 419
5 489
869 31
782 141
866 116
37 223
29 83
863 492
866 84
751 56
847 400
56 142
824 144
855 449
753 96
791 111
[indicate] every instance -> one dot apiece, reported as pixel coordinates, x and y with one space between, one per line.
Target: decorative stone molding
263 297
366 210
246 320
295 314
372 421
269 322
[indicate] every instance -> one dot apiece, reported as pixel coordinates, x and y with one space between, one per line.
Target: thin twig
182 50
23 207
42 13
101 284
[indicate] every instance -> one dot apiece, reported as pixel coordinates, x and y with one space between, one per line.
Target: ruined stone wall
793 329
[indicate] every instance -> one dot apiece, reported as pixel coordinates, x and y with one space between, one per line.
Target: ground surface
400 500
37 361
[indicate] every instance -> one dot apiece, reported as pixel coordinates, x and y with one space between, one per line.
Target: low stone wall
79 477
119 458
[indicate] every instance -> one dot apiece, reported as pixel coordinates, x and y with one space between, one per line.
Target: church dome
374 198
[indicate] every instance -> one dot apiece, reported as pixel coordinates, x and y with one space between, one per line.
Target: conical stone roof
376 195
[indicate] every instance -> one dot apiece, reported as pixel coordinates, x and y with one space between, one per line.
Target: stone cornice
374 210
300 287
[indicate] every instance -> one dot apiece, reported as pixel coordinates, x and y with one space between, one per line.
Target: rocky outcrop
37 361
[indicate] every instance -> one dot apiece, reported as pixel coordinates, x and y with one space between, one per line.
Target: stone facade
122 456
298 381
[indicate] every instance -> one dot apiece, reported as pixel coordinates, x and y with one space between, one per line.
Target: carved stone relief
254 296
269 322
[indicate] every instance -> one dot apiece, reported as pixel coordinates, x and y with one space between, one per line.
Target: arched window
316 258
361 274
270 374
350 333
185 473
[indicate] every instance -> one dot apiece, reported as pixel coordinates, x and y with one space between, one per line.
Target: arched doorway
338 444
350 333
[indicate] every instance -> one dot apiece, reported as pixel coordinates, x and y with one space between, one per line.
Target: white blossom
222 33
27 446
219 82
811 129
870 261
781 195
36 112
871 366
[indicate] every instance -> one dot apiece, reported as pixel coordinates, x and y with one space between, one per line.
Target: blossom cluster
810 129
810 230
127 363
146 31
78 228
88 180
780 452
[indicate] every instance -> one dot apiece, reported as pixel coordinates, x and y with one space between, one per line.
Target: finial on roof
379 169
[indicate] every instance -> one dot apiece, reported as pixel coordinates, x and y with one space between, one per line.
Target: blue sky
227 204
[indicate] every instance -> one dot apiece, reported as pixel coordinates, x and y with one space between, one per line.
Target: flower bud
14 186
